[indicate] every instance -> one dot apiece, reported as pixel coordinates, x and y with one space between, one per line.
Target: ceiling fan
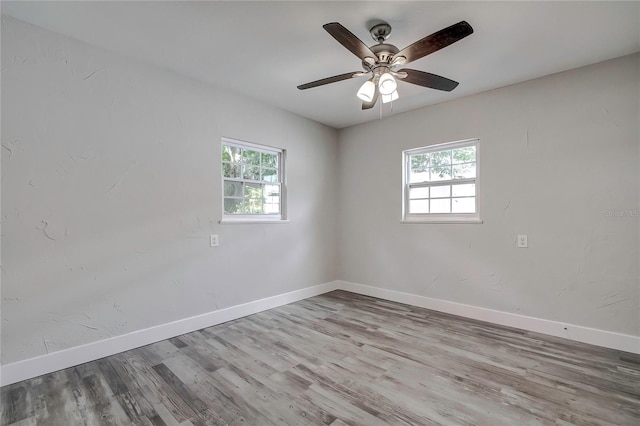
382 59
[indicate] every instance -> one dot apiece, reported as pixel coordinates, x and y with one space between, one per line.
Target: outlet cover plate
523 241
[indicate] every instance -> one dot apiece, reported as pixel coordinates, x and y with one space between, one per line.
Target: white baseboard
593 336
37 366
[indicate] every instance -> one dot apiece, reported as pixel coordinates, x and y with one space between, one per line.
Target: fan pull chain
390 110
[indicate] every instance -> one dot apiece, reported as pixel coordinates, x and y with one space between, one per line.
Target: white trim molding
593 336
37 366
44 364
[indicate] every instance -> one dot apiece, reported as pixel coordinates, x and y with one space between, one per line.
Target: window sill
245 221
442 221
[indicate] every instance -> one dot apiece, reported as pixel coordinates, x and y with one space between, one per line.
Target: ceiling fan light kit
367 91
387 84
381 59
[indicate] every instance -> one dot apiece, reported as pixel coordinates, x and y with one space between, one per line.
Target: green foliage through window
252 181
441 180
458 163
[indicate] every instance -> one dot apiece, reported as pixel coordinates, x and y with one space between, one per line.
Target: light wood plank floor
341 359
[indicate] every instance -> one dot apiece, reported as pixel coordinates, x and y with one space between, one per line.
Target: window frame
439 217
255 218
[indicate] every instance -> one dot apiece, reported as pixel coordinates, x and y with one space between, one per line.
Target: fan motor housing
384 52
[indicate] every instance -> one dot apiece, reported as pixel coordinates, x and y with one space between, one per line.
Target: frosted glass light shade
366 91
391 97
387 84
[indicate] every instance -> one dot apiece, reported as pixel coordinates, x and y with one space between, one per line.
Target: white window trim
238 219
443 217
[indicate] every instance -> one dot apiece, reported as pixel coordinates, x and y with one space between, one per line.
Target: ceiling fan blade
328 80
427 79
435 41
349 40
369 105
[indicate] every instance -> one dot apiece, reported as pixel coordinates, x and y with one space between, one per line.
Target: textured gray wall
559 162
111 187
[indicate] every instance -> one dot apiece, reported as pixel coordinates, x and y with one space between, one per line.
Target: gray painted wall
557 153
111 187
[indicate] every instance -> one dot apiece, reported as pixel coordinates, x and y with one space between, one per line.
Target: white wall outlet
522 241
214 241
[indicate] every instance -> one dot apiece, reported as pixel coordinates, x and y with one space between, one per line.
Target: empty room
320 213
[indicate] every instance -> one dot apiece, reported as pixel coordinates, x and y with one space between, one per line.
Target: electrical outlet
522 241
214 242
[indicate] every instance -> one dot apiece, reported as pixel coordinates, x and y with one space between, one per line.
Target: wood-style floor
338 359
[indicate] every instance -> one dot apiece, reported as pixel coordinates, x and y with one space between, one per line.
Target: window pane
441 191
462 171
419 175
251 172
464 205
269 160
272 205
440 206
270 175
464 190
253 190
231 170
418 206
252 179
441 181
231 154
232 205
440 158
251 157
419 192
419 161
271 191
441 173
253 206
272 199
464 155
232 189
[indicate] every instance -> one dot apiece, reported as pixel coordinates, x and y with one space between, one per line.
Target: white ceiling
265 49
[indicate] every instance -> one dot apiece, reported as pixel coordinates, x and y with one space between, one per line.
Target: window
253 182
441 183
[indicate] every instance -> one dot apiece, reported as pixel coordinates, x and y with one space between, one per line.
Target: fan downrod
380 32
